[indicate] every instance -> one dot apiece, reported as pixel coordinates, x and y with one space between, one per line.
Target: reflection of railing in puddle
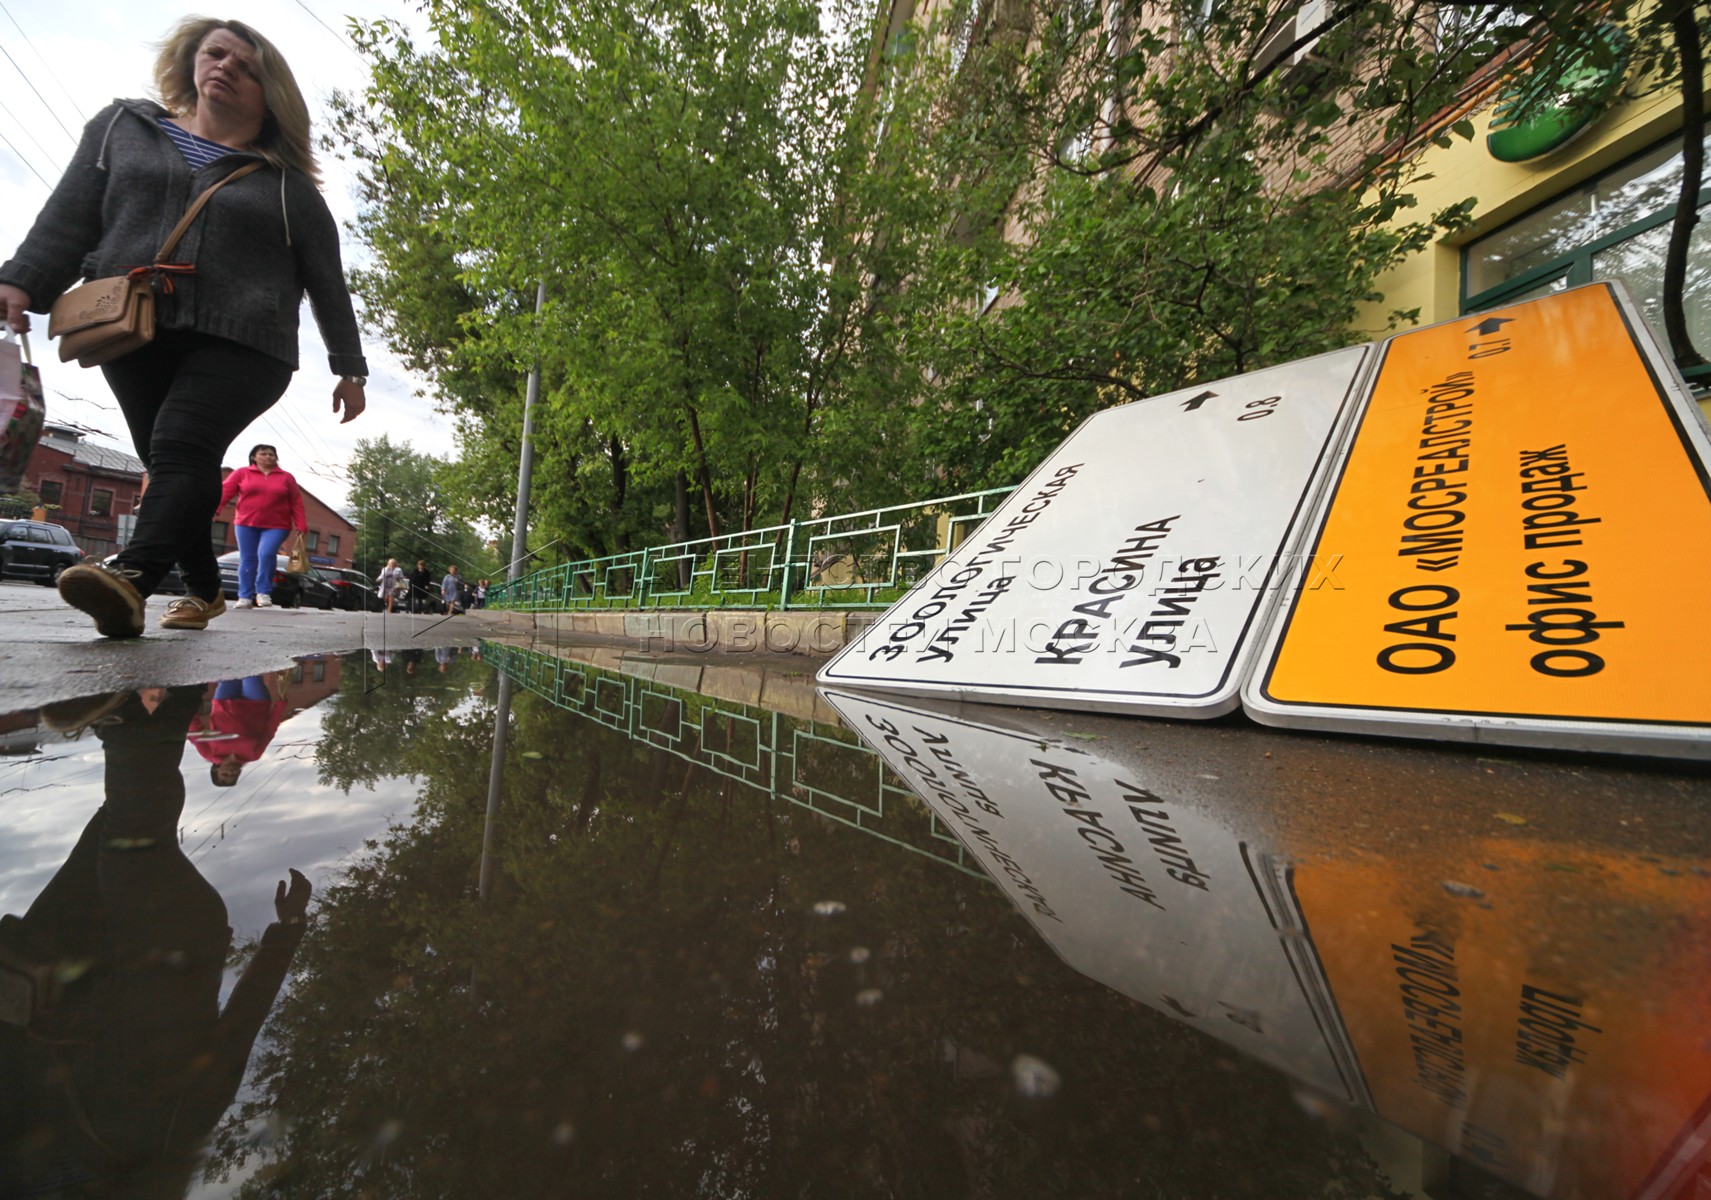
786 742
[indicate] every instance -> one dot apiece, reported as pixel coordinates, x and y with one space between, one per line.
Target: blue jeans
250 687
258 559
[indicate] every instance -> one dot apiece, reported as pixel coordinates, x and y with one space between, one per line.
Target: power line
80 113
307 434
342 40
312 462
25 129
39 96
19 156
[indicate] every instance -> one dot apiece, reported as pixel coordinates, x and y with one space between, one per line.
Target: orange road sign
1521 526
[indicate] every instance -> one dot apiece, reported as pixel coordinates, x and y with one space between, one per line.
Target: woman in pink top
270 505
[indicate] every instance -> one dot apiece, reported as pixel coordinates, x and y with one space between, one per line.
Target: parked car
171 584
291 589
356 591
37 550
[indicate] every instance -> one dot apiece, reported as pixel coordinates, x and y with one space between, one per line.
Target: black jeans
186 397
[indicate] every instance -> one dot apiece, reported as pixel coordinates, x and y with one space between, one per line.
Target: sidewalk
51 652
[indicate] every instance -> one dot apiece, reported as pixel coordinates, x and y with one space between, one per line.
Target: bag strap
178 230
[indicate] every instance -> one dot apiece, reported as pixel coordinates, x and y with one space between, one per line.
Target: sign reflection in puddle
1549 1021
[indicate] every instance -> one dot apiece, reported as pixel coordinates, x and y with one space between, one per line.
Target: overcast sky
61 61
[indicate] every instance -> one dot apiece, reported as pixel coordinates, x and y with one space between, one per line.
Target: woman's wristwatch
359 380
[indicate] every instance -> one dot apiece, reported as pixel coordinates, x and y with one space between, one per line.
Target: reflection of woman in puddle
241 721
119 1061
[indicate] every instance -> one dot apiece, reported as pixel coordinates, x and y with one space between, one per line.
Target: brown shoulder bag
107 318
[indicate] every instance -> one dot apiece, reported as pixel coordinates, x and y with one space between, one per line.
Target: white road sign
1128 881
1133 570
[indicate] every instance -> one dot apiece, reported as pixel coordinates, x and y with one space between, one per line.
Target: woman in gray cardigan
226 324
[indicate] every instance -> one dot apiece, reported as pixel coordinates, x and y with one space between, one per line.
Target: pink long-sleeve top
266 500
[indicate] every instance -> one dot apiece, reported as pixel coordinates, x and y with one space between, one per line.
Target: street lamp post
520 527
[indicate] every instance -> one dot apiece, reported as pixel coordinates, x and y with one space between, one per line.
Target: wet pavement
687 926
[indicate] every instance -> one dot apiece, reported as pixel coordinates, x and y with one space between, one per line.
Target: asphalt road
50 652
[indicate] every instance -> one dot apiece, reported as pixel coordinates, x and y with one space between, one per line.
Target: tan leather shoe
192 612
107 594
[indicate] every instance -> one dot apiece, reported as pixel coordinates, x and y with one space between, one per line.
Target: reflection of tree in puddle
648 1001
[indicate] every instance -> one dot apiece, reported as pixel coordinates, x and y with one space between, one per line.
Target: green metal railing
853 560
810 764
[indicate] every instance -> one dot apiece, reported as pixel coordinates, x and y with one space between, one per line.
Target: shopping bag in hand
298 561
21 410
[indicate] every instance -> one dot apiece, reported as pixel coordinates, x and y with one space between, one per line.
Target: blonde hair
284 139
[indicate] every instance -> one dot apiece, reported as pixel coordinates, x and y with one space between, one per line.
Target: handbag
107 318
22 411
298 560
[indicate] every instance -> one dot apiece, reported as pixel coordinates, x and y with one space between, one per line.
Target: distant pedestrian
270 506
481 594
421 583
225 343
391 582
451 590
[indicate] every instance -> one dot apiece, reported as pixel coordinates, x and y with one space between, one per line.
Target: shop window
1615 227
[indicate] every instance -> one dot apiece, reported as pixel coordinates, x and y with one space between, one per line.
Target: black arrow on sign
1191 404
1491 325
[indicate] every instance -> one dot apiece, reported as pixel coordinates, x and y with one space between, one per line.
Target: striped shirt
197 151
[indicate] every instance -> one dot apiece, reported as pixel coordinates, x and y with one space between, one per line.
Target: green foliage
1162 207
680 178
406 506
795 266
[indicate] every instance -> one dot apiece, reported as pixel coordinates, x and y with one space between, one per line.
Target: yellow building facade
1598 208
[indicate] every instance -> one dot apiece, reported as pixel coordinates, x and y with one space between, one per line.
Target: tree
681 179
1149 196
403 509
1144 201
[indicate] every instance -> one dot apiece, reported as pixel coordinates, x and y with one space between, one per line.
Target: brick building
84 486
88 488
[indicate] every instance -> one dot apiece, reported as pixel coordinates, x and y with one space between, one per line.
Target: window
1282 35
50 491
333 544
964 27
100 502
1614 227
59 537
218 535
314 540
1458 25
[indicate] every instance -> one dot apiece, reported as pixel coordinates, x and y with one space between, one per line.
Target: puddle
717 933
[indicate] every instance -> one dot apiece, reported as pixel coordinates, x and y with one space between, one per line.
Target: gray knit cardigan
257 246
